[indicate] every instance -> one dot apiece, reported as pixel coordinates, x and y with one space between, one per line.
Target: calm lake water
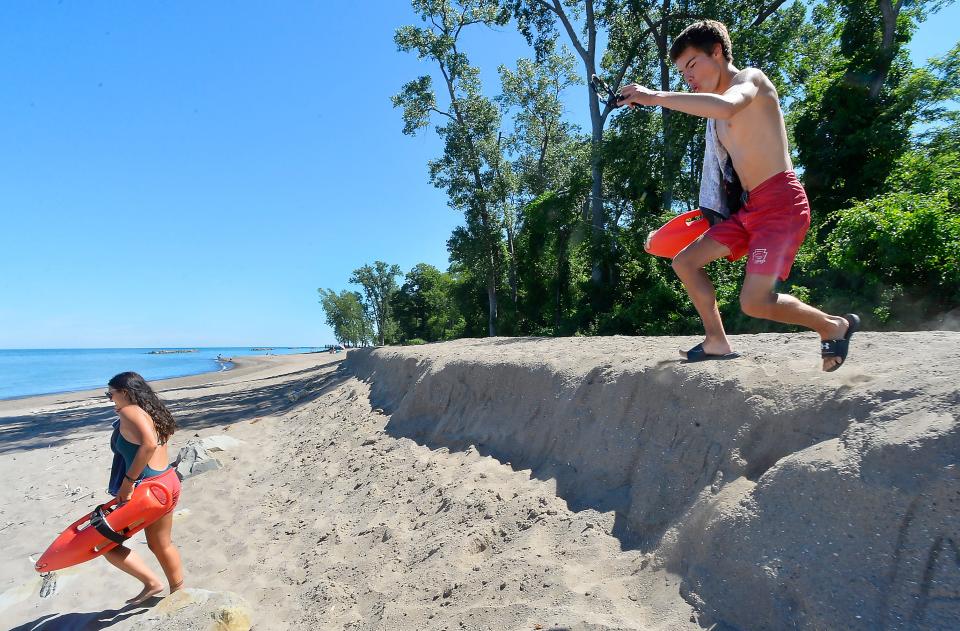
45 371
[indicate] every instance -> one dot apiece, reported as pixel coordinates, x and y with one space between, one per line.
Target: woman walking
139 442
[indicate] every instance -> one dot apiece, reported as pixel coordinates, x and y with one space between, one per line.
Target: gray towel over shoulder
717 170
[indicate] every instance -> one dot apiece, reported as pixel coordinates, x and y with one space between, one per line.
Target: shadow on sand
90 621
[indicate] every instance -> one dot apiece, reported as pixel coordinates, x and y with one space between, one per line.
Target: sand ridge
581 483
323 520
785 497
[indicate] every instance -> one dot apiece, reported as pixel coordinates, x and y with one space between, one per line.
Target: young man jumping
771 225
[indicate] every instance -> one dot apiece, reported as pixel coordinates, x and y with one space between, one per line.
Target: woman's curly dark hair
143 395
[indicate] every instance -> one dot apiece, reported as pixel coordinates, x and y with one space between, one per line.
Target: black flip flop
697 354
840 348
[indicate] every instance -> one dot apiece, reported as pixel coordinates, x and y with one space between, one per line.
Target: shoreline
222 366
242 366
222 369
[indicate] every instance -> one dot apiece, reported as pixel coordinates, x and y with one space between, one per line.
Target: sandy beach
55 457
579 483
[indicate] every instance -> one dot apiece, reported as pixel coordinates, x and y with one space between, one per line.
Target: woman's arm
141 426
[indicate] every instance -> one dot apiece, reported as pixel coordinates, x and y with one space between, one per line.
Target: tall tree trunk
492 273
588 54
513 266
890 12
483 212
492 298
596 207
660 37
597 120
563 267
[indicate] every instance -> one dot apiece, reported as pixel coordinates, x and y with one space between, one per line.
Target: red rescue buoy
676 234
107 526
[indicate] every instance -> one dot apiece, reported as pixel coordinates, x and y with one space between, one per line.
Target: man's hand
635 94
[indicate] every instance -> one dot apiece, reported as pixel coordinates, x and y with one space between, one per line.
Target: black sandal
840 348
697 354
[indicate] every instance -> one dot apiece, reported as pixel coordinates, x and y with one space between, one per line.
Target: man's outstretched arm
717 106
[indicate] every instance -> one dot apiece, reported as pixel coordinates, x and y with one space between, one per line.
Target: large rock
193 609
193 459
196 456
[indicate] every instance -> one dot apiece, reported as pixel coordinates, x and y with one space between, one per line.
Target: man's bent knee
757 306
698 255
683 263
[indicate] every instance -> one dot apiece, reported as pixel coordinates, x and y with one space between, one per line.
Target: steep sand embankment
784 497
607 487
321 519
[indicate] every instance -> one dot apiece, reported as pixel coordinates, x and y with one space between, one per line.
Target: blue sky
186 174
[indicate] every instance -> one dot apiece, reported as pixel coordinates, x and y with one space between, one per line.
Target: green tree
896 256
541 139
541 144
554 260
347 317
471 169
379 285
855 118
541 21
469 298
425 307
901 252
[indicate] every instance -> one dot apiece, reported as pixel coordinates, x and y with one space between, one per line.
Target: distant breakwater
172 352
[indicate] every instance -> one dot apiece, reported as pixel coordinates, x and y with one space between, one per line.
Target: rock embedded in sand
195 457
193 609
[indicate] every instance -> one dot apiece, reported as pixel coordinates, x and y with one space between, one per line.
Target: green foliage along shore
555 211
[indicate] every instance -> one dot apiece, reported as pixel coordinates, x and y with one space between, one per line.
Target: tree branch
652 30
591 29
557 9
765 13
447 114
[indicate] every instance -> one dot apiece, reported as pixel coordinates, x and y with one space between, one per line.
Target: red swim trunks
770 227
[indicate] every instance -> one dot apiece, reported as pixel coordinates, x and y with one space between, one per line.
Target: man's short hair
703 35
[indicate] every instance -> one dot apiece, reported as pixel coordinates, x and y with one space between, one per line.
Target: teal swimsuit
128 451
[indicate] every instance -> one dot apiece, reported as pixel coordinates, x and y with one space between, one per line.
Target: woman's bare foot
175 587
149 591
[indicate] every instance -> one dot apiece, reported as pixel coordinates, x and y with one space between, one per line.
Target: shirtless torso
745 105
756 136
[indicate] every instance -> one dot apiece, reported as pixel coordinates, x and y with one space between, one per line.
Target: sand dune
783 496
589 483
